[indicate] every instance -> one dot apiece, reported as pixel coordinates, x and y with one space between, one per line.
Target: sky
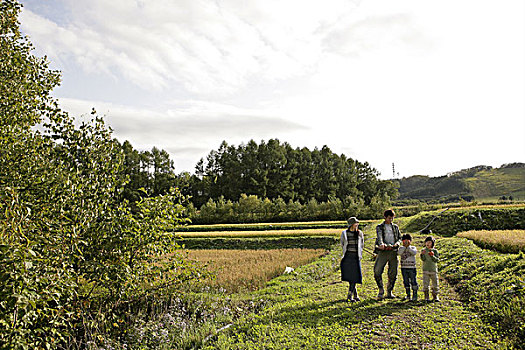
429 86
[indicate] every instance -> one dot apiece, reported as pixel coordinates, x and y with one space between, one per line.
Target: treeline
272 171
251 209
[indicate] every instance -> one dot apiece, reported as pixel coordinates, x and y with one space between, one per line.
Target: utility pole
393 171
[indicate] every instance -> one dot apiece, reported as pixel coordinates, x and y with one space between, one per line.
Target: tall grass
505 241
243 270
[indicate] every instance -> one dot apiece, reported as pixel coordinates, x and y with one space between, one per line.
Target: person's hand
431 253
382 247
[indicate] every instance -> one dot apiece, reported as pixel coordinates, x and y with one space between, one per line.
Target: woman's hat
352 220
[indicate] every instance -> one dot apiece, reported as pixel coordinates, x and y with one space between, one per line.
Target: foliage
260 243
275 170
187 321
251 209
464 219
504 241
150 173
73 258
493 284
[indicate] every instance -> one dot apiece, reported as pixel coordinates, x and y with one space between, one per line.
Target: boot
350 296
389 294
435 297
389 289
381 293
407 298
414 293
426 295
356 297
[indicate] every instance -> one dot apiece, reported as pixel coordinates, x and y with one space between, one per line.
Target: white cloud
441 75
211 48
188 129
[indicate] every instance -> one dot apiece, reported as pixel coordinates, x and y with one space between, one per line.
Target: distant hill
480 182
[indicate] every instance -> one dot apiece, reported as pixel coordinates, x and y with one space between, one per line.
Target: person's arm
343 239
423 255
379 240
434 256
412 250
401 250
399 242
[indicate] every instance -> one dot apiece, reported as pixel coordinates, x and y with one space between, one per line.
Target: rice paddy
505 241
244 270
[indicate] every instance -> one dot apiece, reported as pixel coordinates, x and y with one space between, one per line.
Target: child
408 266
430 257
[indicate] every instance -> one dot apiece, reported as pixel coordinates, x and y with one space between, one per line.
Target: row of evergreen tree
269 170
252 209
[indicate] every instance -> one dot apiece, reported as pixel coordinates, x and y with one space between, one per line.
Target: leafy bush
457 220
74 261
492 284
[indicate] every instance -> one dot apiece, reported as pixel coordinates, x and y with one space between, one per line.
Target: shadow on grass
314 313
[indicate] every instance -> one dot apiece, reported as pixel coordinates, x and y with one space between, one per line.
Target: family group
389 245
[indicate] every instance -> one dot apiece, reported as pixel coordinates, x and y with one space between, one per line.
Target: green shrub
491 283
74 261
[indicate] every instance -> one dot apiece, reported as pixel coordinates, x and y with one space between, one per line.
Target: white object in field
288 269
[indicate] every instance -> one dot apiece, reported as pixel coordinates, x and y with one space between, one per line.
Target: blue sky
432 86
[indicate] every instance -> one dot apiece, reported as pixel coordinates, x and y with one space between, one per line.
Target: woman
352 241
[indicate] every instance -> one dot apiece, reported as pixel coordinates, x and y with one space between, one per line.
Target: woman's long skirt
351 268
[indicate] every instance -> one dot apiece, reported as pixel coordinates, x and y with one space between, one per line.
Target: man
387 242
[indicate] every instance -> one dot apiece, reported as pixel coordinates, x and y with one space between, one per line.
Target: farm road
315 315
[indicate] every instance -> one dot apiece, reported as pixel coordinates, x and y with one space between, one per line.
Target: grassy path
308 310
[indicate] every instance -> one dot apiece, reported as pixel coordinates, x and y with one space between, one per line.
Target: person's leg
435 286
356 297
426 282
392 273
350 296
406 281
379 267
413 282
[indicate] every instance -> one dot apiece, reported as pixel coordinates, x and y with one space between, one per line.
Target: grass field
505 241
308 310
245 270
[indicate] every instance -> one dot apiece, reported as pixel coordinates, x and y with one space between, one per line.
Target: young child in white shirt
408 266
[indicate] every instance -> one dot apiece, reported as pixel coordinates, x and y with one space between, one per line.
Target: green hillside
480 182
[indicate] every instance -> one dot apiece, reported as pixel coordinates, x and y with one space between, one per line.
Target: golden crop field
240 270
269 233
507 241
